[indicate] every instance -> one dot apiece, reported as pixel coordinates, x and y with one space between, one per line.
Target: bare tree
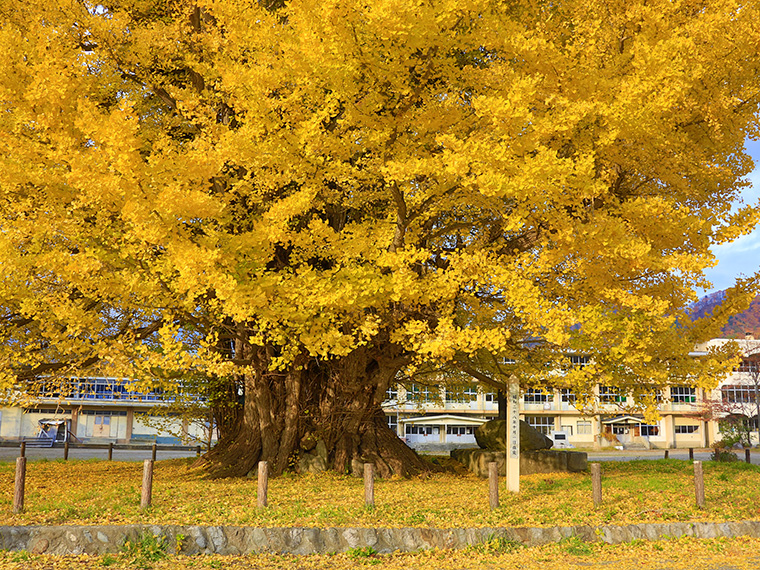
750 369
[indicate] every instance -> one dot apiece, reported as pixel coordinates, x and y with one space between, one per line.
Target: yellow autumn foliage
251 189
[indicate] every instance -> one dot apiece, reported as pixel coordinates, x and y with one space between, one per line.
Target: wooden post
369 485
596 483
110 451
66 451
513 436
153 452
198 450
23 449
699 484
691 454
147 484
747 458
263 481
493 484
18 489
667 454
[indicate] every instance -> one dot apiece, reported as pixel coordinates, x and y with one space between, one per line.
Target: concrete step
38 442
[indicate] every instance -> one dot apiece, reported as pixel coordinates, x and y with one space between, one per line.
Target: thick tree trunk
501 404
335 404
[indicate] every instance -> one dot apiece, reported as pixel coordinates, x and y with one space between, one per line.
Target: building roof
442 419
627 419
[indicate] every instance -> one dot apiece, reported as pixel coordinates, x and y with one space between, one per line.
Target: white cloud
750 242
742 256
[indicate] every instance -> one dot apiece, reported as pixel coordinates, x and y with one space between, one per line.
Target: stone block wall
233 540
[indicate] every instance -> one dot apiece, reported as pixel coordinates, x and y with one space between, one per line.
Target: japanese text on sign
514 425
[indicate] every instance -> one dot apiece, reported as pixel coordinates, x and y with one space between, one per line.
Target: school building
431 418
103 409
99 410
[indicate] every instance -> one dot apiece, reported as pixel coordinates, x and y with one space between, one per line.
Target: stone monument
536 455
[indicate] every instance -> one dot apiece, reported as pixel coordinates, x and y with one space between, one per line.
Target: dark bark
335 401
501 401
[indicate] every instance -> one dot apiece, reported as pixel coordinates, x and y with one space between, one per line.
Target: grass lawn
680 554
102 492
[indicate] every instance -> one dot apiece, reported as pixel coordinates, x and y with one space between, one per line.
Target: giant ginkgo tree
297 199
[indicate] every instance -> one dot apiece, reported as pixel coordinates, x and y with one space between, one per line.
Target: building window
683 394
459 395
459 430
686 429
392 422
577 360
584 428
649 430
392 393
418 393
567 396
419 430
535 396
544 424
748 365
491 397
738 393
656 395
610 395
113 389
102 419
567 429
46 411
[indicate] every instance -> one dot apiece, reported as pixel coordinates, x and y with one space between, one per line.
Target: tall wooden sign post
513 436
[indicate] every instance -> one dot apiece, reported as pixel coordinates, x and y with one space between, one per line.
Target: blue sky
741 257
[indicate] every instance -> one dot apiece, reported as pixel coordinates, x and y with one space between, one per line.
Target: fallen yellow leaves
102 492
681 554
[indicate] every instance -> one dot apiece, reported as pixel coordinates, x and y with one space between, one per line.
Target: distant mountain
738 325
706 304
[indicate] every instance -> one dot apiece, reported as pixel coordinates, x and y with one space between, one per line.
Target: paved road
11 453
683 454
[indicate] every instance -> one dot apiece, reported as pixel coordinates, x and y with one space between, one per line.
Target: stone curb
237 540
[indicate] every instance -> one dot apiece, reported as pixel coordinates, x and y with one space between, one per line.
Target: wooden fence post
667 454
691 454
596 483
699 484
110 451
493 484
18 488
153 452
147 484
66 450
263 484
23 449
747 458
369 484
197 450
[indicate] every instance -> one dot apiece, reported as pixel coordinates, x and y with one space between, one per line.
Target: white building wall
11 423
